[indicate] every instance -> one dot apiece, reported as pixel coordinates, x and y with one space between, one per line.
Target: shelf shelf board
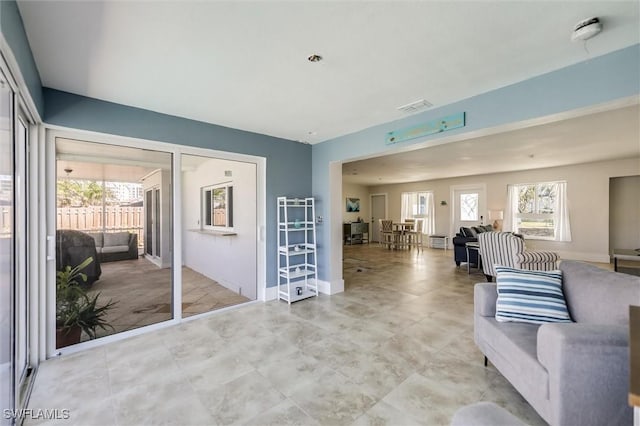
213 232
290 251
294 297
304 272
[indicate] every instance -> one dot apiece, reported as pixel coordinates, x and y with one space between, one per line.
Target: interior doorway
624 211
378 211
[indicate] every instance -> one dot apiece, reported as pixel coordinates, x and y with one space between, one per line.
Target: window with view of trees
540 210
536 210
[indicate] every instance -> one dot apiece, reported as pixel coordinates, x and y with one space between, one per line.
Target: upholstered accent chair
73 248
572 373
507 249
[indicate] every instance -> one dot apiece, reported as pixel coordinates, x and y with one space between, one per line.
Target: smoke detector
586 29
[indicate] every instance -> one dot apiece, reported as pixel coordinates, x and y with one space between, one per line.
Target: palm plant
74 307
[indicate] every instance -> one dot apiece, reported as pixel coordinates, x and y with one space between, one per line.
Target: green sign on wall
449 122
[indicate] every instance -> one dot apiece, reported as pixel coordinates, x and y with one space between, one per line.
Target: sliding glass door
14 301
115 204
21 286
7 244
219 233
114 208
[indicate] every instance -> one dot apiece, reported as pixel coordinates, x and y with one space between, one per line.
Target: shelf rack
297 257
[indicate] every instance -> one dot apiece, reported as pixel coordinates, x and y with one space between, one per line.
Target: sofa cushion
97 236
466 232
116 239
597 296
530 296
512 348
115 249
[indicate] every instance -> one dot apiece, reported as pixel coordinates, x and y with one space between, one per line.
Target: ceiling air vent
415 106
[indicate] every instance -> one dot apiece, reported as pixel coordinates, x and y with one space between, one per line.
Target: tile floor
395 348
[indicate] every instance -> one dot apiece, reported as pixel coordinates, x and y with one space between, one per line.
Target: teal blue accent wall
16 37
288 162
595 81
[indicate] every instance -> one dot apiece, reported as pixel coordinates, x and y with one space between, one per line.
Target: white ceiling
109 162
89 160
600 136
243 64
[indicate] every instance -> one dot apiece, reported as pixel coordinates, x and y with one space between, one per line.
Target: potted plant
76 311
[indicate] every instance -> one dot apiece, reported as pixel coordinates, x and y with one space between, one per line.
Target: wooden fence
90 219
94 219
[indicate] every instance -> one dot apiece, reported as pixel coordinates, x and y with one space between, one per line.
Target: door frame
23 317
54 132
21 227
482 202
386 211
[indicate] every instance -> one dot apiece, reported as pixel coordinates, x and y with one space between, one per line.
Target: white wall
588 193
351 190
229 260
624 213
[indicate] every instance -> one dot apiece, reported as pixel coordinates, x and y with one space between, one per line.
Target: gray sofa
112 246
571 373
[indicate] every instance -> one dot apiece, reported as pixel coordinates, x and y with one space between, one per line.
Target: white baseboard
585 257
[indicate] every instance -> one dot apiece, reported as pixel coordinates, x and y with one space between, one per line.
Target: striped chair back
498 248
386 225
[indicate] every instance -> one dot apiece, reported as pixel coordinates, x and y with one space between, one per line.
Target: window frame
417 195
536 215
205 213
477 210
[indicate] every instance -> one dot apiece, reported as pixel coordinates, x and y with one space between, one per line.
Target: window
539 210
217 206
419 205
469 207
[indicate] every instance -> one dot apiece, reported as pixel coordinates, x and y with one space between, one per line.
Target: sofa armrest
461 241
588 366
485 296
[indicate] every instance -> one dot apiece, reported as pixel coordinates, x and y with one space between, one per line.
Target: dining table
402 229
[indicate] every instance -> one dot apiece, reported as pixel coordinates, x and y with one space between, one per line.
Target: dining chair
414 236
389 236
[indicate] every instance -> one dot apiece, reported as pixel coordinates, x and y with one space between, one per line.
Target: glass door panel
21 285
118 202
7 242
219 238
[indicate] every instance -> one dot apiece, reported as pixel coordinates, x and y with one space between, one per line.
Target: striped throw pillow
530 296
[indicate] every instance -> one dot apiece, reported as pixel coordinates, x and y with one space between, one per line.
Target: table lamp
496 216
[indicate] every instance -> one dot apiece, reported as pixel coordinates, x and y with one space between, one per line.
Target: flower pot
68 337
